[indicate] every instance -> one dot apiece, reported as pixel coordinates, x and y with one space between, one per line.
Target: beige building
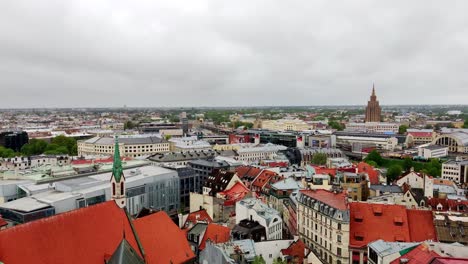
286 125
131 146
323 224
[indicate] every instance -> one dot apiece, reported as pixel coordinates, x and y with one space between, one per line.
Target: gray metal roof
125 254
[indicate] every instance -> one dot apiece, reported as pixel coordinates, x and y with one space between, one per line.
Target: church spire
118 178
117 170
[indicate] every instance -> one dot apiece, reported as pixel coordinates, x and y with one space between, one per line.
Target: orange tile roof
370 222
263 178
85 235
216 234
296 250
237 192
198 216
419 255
162 240
336 200
421 225
323 170
371 171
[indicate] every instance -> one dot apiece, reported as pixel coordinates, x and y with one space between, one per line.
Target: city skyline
70 54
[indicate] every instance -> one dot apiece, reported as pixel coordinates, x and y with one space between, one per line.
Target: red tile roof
323 170
419 255
263 178
421 225
447 260
247 172
420 134
448 204
392 223
198 216
296 250
216 234
89 161
237 192
370 222
162 240
3 222
81 236
335 200
371 171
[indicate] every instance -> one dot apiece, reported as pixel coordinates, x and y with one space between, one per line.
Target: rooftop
336 200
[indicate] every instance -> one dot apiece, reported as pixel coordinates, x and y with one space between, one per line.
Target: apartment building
130 146
323 224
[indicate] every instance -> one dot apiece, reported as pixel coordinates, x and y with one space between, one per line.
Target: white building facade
256 210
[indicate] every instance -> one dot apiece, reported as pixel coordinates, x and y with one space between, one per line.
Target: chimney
181 220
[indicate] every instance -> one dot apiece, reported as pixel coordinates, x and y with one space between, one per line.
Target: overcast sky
231 53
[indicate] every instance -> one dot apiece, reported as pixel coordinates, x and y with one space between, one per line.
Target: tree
407 164
319 159
433 168
129 125
279 261
375 157
258 260
335 125
393 173
372 163
67 142
6 152
402 129
34 147
465 124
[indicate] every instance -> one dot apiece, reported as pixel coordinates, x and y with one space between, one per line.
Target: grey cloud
217 53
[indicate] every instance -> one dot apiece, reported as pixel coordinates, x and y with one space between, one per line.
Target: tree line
59 145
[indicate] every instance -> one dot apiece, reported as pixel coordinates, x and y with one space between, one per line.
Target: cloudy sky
231 53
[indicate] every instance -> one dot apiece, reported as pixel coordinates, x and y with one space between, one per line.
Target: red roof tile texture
81 236
198 216
296 251
235 194
419 255
162 240
263 178
421 225
420 134
371 171
393 223
216 234
335 200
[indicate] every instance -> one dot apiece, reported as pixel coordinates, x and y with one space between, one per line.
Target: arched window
113 188
121 188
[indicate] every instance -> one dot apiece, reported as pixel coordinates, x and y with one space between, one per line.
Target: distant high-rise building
184 121
14 139
373 109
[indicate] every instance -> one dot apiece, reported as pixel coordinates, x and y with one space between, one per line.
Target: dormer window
398 220
377 210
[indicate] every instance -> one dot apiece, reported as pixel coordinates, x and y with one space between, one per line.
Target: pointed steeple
373 89
117 170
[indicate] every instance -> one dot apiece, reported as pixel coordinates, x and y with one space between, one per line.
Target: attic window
359 236
399 238
358 217
377 210
398 220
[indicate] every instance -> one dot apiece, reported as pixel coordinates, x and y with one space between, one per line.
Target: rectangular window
338 251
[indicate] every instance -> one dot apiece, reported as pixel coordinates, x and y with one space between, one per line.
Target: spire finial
373 89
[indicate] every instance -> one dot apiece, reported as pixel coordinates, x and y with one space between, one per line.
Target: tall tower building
373 109
118 179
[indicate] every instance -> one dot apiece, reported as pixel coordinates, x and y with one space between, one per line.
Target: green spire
117 170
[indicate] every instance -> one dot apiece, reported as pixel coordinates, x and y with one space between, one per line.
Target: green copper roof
117 170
